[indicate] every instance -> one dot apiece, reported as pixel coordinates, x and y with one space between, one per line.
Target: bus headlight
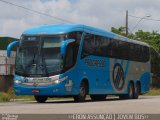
55 81
58 80
18 82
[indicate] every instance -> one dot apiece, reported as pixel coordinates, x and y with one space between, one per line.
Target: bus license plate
35 91
41 80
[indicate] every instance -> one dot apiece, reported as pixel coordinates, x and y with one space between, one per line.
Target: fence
7 66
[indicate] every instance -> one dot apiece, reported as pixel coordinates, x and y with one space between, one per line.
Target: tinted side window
105 46
145 54
69 60
75 35
88 45
119 49
98 46
108 47
114 49
125 50
138 53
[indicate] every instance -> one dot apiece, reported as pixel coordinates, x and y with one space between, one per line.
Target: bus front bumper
52 90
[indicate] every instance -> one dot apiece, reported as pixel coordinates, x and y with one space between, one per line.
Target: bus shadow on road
72 101
88 100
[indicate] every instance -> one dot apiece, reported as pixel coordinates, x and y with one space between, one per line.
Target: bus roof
66 28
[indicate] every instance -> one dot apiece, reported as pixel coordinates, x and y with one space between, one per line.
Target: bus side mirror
64 46
10 46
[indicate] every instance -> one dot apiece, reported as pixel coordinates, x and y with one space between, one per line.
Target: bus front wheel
41 99
83 92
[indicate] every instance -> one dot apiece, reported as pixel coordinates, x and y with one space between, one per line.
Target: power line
158 20
34 11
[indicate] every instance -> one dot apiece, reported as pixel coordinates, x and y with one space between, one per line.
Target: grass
4 97
10 96
153 92
24 97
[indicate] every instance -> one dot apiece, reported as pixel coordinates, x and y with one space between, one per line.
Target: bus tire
136 91
83 92
98 97
41 99
130 93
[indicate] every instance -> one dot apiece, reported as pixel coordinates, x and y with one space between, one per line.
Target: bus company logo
118 76
95 63
35 84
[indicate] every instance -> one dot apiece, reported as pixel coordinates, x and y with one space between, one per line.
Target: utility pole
126 23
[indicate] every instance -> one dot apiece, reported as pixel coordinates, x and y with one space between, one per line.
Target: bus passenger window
69 57
76 36
86 46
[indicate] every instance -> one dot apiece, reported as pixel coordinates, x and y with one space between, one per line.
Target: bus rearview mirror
10 46
64 45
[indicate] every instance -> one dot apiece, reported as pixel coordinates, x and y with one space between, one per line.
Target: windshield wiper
44 65
42 59
34 58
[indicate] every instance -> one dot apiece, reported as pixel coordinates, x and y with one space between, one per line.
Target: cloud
99 13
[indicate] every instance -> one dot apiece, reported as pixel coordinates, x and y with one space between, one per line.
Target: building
6 65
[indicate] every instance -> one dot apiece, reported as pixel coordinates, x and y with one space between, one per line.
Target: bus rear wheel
83 92
98 97
130 93
41 99
136 91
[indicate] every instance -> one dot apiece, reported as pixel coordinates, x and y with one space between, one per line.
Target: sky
98 13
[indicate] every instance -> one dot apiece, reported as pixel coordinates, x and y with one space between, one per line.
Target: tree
120 31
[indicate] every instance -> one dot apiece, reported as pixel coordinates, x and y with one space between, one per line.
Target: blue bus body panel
57 29
99 77
145 82
66 28
52 29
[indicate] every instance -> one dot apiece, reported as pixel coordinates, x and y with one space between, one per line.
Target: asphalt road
145 104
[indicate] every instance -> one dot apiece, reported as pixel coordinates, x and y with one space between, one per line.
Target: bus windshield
39 55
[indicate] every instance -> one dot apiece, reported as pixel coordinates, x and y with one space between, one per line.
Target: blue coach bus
77 60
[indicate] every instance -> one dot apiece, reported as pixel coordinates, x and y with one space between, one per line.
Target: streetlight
136 23
146 16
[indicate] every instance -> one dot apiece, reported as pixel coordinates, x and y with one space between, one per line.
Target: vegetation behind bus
153 39
4 41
